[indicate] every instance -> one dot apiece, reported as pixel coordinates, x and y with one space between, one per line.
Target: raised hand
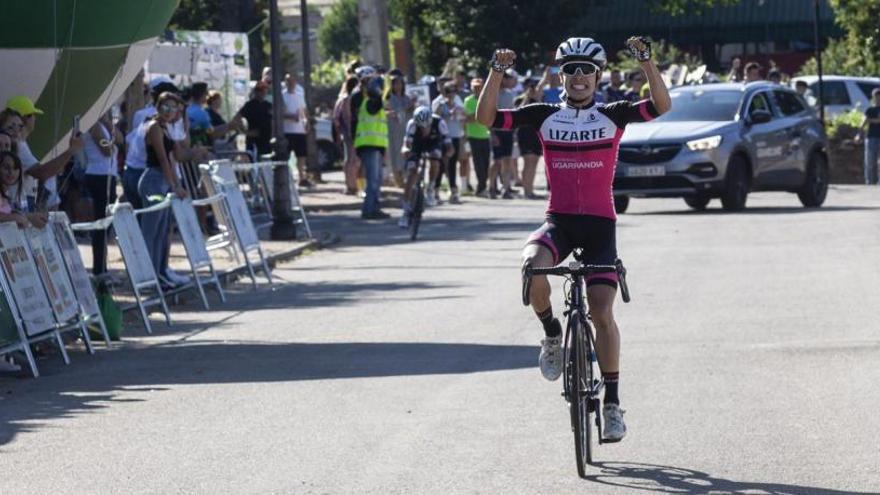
639 47
502 59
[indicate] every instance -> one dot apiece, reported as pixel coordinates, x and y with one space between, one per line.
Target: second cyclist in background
426 133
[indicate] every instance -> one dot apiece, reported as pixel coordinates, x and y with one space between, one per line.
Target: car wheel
736 185
327 155
621 203
698 201
812 194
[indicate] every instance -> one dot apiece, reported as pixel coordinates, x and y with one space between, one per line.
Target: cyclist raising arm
580 139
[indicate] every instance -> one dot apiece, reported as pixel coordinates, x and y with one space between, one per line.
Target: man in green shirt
478 137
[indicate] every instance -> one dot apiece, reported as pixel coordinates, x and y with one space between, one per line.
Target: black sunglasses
585 68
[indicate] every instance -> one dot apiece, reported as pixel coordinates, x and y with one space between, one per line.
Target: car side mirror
760 117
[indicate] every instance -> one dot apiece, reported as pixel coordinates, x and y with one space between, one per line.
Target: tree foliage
835 60
680 7
339 33
471 29
861 42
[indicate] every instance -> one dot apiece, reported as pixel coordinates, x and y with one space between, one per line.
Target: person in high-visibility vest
370 130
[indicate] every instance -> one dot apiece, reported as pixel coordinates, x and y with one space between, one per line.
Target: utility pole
311 142
373 25
283 227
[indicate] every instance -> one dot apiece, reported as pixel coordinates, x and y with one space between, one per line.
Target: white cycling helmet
582 50
423 116
364 71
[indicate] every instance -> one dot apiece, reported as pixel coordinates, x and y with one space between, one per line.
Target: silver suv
723 141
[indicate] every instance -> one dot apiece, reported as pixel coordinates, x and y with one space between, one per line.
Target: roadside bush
844 153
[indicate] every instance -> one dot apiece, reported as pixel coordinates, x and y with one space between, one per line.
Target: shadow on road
668 479
764 210
98 382
357 232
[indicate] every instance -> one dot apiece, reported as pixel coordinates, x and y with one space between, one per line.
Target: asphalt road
750 364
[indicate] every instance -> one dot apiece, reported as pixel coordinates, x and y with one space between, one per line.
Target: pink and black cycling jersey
580 149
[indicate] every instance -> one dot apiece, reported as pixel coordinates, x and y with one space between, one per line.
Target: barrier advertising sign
24 282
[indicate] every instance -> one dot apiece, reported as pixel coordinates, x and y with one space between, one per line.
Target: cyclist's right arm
406 149
488 103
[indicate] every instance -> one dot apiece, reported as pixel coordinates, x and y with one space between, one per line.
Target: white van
842 93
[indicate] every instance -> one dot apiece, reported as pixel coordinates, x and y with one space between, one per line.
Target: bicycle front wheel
581 377
418 207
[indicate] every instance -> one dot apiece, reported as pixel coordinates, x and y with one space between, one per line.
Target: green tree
469 29
835 60
339 33
862 39
857 53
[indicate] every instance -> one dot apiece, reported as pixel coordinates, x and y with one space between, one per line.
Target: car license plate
645 171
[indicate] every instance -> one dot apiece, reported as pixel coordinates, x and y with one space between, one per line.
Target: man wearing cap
370 130
39 175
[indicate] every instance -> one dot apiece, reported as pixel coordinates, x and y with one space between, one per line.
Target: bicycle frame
582 382
576 308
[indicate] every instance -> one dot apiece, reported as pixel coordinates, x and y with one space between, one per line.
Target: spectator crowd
143 155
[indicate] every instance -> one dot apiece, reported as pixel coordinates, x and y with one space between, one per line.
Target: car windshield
701 105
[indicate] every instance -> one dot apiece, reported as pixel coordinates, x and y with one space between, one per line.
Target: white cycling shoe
550 359
614 429
430 198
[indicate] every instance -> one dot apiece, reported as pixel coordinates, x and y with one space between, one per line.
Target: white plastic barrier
194 244
137 262
25 294
56 282
226 238
245 233
79 278
266 172
17 341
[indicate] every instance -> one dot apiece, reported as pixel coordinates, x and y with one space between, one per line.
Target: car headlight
703 144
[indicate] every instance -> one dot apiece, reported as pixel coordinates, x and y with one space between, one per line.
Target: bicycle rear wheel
418 207
580 376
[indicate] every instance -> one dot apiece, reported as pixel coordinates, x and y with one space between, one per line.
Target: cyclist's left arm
640 48
659 92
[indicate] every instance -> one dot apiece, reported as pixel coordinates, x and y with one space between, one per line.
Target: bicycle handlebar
579 269
574 268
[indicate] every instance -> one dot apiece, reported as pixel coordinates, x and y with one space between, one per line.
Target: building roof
745 21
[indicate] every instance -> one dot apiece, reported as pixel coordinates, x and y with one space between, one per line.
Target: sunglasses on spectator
168 107
14 127
585 68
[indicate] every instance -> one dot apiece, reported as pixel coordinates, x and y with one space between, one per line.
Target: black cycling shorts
596 236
